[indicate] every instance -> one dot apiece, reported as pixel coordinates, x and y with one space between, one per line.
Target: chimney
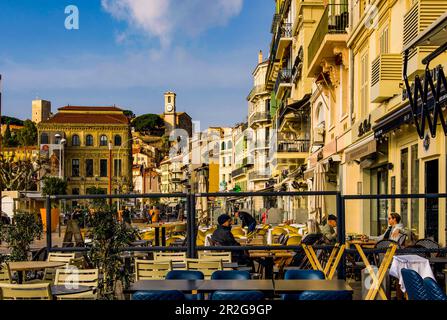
260 58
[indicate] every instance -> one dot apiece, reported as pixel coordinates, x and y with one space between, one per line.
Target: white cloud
166 19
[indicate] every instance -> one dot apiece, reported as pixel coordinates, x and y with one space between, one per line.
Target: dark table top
60 290
236 285
147 285
232 265
438 260
290 286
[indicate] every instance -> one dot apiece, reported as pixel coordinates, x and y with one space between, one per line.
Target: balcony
283 81
331 32
238 172
294 146
386 74
283 39
258 175
257 90
257 117
418 18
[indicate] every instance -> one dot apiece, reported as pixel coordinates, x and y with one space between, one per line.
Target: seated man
247 220
395 229
223 236
328 230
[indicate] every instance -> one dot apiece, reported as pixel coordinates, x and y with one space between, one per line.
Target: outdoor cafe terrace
108 255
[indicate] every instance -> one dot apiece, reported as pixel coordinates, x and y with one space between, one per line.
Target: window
364 84
117 168
383 41
320 114
89 167
75 141
74 191
229 144
169 99
75 167
57 140
103 141
44 138
414 189
89 140
404 184
103 167
223 162
222 147
117 140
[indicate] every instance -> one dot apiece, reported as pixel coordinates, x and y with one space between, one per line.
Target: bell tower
170 111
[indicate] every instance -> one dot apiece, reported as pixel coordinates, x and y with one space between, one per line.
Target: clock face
169 108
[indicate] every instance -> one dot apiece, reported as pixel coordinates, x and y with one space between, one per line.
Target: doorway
432 205
379 207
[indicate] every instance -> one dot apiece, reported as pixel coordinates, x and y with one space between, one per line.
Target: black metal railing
238 172
335 20
258 116
295 146
284 77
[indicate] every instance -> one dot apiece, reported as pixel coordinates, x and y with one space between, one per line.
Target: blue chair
168 295
301 274
230 275
187 275
238 295
304 275
325 295
184 275
414 285
434 292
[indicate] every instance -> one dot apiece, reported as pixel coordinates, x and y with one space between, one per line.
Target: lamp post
110 172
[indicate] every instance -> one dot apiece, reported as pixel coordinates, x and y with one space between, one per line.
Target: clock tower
169 114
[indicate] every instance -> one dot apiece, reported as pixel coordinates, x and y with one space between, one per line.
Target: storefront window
404 184
415 189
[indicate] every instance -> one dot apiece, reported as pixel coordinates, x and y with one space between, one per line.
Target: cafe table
61 290
268 257
148 285
296 286
22 266
207 286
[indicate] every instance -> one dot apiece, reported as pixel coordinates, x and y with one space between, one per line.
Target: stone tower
169 114
41 110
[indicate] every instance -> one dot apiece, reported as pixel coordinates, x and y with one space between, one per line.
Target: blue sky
129 52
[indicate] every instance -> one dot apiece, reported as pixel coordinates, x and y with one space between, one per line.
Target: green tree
27 136
129 114
20 174
97 203
54 186
19 236
9 139
149 123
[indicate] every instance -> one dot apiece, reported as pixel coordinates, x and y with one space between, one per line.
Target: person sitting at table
328 230
223 236
247 220
394 231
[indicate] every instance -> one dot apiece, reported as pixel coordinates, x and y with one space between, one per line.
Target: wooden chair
5 274
151 269
72 277
207 267
294 240
67 258
37 291
174 257
225 256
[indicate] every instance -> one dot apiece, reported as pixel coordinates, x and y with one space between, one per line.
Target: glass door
431 205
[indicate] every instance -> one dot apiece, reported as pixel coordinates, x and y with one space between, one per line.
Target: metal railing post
193 227
48 218
341 234
188 226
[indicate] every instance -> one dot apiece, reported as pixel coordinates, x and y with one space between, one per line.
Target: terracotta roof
81 118
86 108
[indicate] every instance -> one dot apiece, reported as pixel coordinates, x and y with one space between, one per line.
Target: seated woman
394 231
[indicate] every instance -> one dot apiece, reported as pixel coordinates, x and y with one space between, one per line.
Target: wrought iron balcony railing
294 146
335 20
284 77
258 116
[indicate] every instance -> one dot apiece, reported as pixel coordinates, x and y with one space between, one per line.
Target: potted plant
52 186
109 238
20 234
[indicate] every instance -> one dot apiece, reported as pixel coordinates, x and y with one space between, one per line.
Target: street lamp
61 142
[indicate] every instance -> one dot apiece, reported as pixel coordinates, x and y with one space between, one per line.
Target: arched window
103 141
229 144
117 140
75 141
320 114
44 138
89 140
222 147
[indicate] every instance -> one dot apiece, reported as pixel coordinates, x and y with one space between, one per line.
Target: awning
434 32
393 121
361 149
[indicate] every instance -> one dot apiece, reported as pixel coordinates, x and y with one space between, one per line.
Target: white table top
414 262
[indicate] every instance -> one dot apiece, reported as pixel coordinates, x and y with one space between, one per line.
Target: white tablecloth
413 262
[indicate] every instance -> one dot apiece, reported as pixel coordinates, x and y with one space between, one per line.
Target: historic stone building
93 143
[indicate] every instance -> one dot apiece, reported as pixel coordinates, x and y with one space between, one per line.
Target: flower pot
54 218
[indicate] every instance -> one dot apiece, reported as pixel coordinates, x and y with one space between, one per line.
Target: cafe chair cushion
325 295
414 285
168 295
238 295
184 275
230 275
434 292
304 275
